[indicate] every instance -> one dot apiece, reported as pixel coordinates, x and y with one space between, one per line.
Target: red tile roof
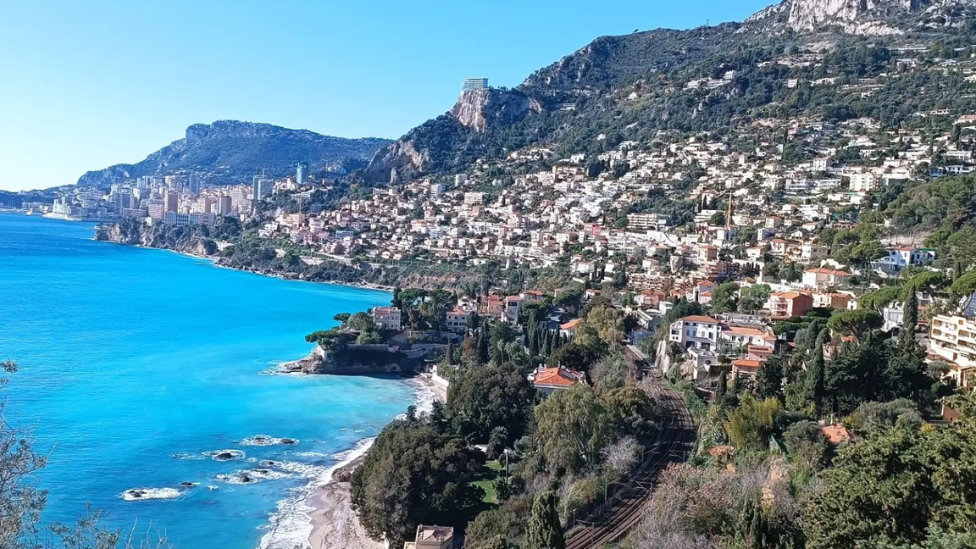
699 318
836 433
557 377
571 324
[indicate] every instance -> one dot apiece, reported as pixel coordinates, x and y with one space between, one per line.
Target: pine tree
723 387
545 531
815 382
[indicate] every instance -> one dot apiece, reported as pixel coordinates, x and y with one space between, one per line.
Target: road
626 511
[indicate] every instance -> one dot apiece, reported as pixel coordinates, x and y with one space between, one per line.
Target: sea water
137 365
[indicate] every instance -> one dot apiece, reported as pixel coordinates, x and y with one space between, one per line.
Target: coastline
215 262
333 523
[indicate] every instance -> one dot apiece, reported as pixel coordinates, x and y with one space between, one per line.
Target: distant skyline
85 85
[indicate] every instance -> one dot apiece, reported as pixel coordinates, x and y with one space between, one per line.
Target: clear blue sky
87 84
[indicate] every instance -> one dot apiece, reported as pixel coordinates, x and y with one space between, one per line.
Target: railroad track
626 508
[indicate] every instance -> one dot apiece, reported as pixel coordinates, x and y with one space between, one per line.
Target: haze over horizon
109 82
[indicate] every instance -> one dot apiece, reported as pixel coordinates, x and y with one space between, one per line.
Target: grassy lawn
486 480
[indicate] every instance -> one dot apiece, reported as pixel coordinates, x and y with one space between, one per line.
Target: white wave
189 456
266 440
140 494
310 454
291 524
225 455
424 398
251 476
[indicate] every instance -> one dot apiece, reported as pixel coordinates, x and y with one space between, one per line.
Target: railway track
625 510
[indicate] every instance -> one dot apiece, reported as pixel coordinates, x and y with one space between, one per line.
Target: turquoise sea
135 364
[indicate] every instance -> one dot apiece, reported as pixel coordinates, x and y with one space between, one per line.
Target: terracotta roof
747 364
786 295
739 330
827 272
836 433
557 377
571 324
699 318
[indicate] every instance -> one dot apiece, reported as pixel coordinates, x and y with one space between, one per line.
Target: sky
85 85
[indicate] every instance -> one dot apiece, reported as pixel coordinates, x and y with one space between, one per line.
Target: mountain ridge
699 79
230 151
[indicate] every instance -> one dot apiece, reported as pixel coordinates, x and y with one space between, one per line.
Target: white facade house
903 257
824 278
696 332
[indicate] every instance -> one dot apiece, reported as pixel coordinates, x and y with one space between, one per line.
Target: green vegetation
415 475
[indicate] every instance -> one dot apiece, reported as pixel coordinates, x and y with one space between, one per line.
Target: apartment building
953 339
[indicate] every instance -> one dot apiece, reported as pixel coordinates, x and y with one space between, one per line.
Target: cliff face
138 234
353 360
229 151
423 148
479 109
865 17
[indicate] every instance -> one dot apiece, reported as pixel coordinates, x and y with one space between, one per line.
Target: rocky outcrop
135 233
479 109
352 360
398 161
436 143
864 17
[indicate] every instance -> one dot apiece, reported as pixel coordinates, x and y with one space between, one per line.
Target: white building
698 332
953 338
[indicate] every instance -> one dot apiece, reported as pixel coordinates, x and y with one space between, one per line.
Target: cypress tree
484 353
545 346
545 531
532 341
723 387
906 340
449 354
815 382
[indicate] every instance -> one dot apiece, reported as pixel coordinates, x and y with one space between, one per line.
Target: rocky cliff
352 360
479 109
138 234
866 17
424 148
229 151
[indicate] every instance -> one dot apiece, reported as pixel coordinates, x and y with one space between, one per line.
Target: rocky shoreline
111 234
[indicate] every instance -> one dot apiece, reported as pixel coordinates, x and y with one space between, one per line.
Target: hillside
229 151
830 59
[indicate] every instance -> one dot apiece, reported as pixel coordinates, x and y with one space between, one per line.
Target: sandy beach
334 524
